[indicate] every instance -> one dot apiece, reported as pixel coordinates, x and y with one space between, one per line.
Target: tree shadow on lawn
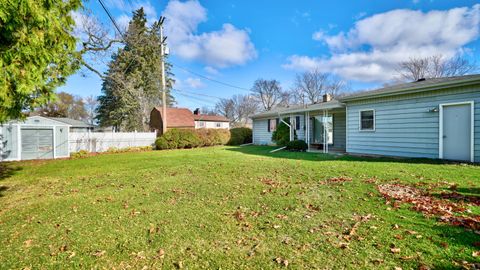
265 151
7 169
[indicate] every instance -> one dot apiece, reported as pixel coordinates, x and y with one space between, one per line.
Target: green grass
208 208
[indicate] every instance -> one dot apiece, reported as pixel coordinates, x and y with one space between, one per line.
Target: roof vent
421 80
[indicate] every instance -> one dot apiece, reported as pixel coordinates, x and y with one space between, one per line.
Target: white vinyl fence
102 141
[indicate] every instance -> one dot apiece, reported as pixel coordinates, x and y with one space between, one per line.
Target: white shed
35 138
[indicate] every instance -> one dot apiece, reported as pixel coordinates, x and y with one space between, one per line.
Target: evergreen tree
37 53
132 85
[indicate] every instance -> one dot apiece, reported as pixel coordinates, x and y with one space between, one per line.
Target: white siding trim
19 143
472 128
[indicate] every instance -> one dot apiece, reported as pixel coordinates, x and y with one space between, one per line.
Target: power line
198 94
111 17
210 79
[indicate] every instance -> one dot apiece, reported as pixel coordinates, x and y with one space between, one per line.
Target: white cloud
371 50
123 22
194 83
226 47
211 70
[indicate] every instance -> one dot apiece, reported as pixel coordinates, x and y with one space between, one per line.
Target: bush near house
281 136
191 138
297 145
240 135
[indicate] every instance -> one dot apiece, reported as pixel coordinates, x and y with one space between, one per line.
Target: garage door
37 143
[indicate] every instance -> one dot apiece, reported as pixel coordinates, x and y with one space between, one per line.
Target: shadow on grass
265 151
7 170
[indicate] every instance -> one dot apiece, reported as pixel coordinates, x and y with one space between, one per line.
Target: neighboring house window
297 122
219 125
367 120
201 124
272 124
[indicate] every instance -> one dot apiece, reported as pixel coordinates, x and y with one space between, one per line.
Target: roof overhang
334 104
410 90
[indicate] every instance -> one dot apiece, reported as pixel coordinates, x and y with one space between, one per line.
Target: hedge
240 135
297 145
191 138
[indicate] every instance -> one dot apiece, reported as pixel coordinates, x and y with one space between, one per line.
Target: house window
201 124
367 120
219 125
272 124
297 122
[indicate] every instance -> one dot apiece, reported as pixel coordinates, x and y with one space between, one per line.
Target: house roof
72 122
178 117
212 118
417 86
332 104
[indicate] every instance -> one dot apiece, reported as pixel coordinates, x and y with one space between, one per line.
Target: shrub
80 154
190 138
297 145
281 136
240 136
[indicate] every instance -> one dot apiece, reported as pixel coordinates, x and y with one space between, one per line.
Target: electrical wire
210 79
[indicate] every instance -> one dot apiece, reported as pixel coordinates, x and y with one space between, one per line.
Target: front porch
323 127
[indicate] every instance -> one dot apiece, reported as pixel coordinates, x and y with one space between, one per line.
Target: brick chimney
327 97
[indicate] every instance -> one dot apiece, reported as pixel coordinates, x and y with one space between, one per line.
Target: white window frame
360 120
472 128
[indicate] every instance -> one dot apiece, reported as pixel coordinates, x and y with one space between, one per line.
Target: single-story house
75 125
184 118
428 118
37 137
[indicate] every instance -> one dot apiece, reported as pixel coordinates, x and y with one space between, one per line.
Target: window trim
360 120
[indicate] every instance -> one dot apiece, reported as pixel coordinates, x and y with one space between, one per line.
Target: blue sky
238 42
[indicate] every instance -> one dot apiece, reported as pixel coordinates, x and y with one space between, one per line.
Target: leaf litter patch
451 212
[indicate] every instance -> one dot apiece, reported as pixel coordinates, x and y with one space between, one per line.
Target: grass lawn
226 207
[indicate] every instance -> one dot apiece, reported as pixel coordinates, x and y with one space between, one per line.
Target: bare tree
95 39
238 108
268 92
310 86
91 104
434 67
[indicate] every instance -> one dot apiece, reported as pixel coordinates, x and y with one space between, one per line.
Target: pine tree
37 53
132 86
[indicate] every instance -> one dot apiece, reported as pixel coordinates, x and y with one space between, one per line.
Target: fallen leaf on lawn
476 253
239 215
28 243
411 232
99 253
280 216
397 268
281 261
395 226
178 265
399 236
161 253
72 254
343 245
444 245
63 248
395 250
276 226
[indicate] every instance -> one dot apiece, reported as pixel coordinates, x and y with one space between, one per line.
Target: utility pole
164 86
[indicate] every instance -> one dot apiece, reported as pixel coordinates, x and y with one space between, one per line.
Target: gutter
410 90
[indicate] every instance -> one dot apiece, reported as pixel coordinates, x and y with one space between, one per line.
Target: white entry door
456 132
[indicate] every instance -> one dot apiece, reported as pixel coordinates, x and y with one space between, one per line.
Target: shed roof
72 122
412 87
178 117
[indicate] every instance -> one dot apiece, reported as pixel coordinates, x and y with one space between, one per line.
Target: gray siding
404 126
261 136
9 147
